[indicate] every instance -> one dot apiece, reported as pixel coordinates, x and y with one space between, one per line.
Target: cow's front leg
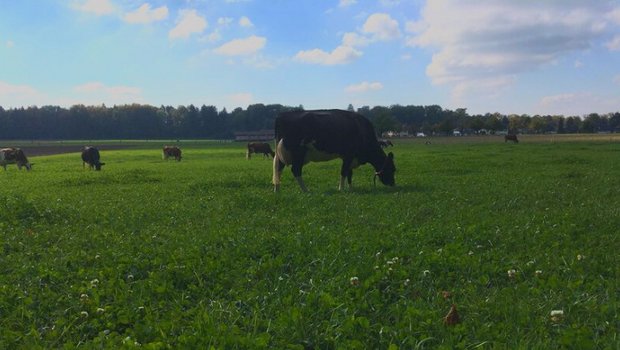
296 169
345 173
298 163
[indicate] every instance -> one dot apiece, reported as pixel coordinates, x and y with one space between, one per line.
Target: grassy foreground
201 253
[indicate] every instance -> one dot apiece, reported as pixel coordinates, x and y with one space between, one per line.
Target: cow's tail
277 164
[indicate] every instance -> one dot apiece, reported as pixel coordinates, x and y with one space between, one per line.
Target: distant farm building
260 135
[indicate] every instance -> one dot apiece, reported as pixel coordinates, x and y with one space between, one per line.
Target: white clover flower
512 273
406 283
130 277
470 253
100 310
354 281
94 282
140 308
84 314
530 263
580 257
106 331
84 297
538 273
426 272
556 315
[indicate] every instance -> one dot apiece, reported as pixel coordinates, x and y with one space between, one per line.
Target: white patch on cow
283 154
277 174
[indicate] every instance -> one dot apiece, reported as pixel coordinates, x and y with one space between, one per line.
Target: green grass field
202 254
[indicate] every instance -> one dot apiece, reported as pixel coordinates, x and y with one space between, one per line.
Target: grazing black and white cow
314 136
90 156
14 156
171 151
259 147
511 137
384 143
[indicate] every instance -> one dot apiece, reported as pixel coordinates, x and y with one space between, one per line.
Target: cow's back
331 131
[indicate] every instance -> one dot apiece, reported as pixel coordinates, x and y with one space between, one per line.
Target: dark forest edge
137 121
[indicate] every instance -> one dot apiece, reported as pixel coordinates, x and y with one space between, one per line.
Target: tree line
190 122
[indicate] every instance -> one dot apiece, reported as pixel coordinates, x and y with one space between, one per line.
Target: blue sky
507 56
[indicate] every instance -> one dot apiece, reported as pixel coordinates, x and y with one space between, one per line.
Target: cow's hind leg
277 173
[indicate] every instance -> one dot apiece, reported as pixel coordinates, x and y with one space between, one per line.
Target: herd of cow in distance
300 137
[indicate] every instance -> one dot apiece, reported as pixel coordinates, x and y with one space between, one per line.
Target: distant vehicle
420 134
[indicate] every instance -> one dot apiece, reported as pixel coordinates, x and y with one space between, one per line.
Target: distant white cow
14 156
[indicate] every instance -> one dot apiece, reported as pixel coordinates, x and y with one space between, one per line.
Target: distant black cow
171 151
259 147
90 156
14 156
384 143
305 136
511 137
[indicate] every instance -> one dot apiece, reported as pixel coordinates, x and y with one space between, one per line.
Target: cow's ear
391 155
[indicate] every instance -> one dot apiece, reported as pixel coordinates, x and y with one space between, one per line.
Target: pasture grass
202 254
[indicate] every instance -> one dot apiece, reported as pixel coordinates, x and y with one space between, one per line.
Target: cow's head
386 173
26 165
98 166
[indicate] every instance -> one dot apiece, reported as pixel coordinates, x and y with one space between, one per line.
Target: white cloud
340 55
578 64
188 23
241 99
94 93
481 43
242 47
378 27
224 21
389 3
19 95
9 44
364 86
144 14
579 103
614 15
353 39
97 7
614 44
381 27
245 22
346 3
